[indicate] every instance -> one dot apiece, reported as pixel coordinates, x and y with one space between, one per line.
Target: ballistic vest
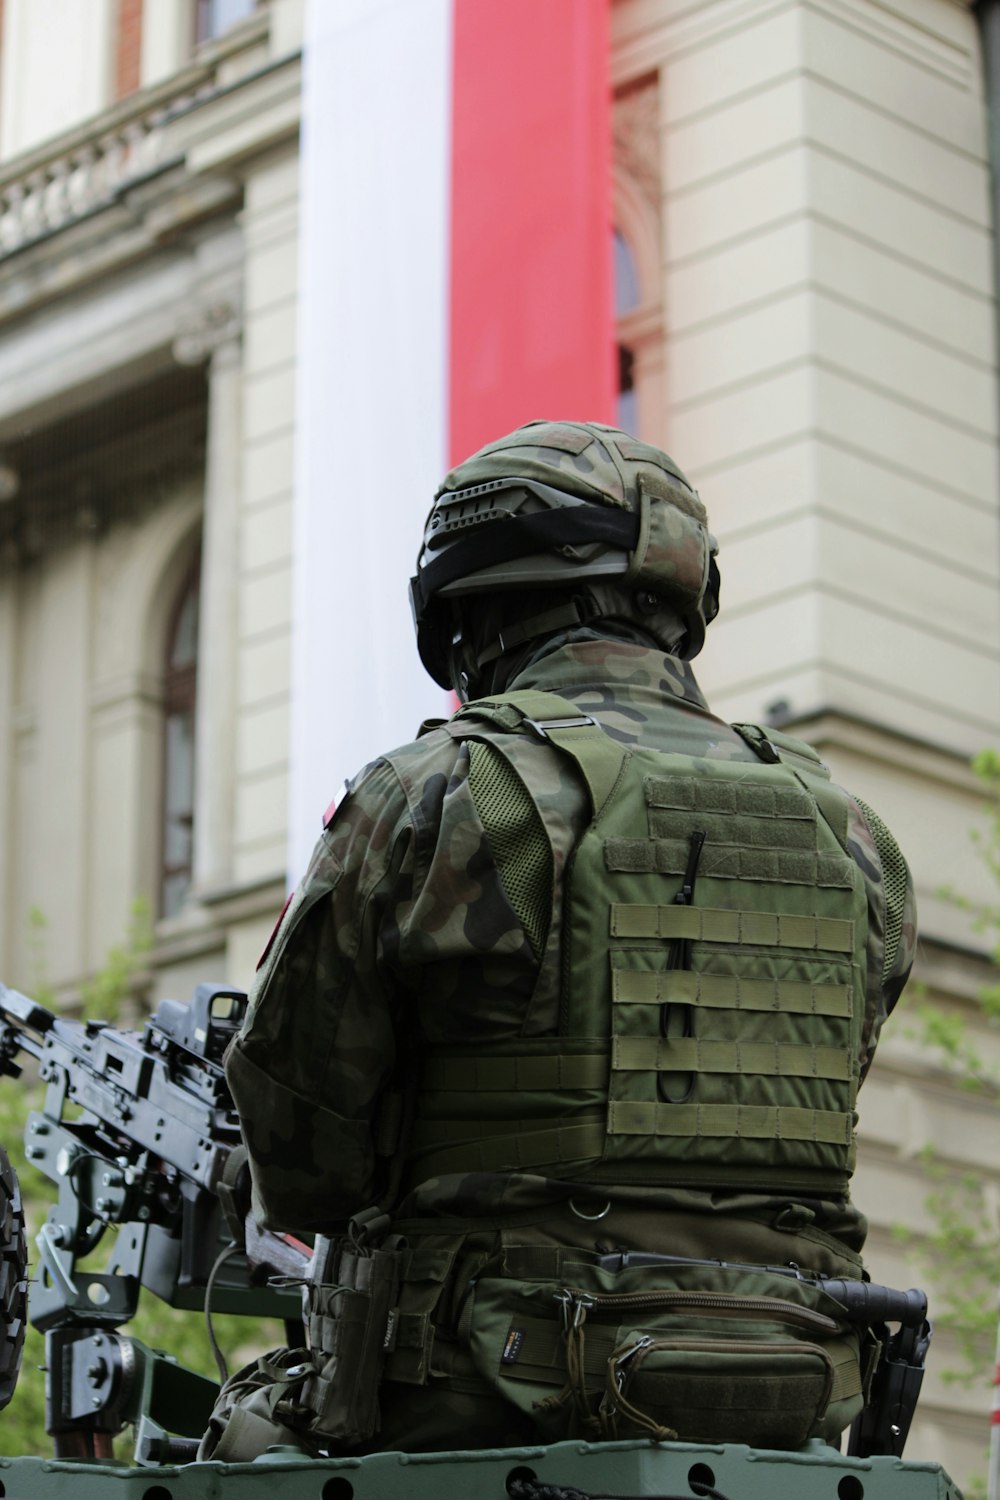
713 981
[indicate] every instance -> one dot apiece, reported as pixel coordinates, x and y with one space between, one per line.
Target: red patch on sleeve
270 942
328 815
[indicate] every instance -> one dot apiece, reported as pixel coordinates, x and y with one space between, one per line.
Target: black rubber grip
867 1302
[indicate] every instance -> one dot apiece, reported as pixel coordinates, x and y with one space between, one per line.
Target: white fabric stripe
372 394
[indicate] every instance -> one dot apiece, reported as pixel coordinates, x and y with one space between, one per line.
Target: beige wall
827 296
56 67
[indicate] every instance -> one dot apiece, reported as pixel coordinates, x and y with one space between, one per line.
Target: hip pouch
348 1330
706 1355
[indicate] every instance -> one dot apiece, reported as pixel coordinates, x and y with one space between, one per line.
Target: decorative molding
828 727
207 327
131 691
899 27
677 29
636 137
685 27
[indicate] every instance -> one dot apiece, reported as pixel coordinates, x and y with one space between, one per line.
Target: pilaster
213 332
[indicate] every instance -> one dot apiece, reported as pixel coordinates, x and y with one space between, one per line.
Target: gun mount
137 1131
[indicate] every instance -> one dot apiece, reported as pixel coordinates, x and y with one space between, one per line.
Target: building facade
806 295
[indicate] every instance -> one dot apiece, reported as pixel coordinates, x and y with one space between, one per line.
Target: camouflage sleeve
311 1064
892 919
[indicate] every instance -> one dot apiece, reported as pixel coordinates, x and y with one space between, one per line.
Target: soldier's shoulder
400 774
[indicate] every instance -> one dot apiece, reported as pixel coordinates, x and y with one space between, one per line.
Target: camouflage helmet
555 506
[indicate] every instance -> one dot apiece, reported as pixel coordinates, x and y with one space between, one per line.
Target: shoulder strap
600 758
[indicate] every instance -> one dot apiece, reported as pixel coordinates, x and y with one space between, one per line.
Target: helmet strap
545 623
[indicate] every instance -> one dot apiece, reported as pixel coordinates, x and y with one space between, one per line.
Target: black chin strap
557 618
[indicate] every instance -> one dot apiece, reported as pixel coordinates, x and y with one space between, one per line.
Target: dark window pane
179 685
216 16
627 407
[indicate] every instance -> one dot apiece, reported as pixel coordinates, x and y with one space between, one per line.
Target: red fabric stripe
531 331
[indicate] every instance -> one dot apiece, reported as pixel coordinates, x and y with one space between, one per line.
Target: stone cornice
832 727
647 35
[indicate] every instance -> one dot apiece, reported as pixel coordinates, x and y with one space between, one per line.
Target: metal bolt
96 1402
143 1212
102 1205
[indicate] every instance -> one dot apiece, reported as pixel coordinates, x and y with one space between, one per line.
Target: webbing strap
564 724
751 799
720 925
765 1059
669 856
513 1150
729 992
509 1074
846 1370
541 1352
751 1121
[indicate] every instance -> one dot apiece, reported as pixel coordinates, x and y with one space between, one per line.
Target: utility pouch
258 1408
349 1329
711 1356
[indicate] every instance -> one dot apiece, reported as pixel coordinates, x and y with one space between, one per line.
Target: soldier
573 1004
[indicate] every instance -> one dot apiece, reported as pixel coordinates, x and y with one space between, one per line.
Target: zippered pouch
749 1357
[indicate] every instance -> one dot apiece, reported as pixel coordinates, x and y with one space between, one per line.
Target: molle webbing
713 960
729 992
696 1055
506 1074
729 1122
762 929
729 862
507 1146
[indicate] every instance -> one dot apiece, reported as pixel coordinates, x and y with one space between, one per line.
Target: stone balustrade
73 175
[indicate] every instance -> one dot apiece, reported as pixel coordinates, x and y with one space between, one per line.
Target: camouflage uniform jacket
402 915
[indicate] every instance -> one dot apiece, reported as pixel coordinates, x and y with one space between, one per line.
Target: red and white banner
456 280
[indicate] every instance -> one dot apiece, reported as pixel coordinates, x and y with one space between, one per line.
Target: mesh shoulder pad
517 837
895 878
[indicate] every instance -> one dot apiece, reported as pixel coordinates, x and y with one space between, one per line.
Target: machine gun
139 1131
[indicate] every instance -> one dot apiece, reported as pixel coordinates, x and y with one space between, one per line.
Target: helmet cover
552 506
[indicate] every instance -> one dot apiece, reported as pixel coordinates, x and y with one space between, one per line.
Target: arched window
626 300
179 682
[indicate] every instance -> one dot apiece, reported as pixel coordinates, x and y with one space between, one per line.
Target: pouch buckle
543 726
